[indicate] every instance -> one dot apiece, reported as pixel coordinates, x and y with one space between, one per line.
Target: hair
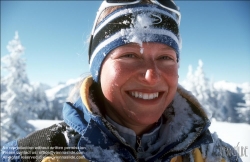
74 93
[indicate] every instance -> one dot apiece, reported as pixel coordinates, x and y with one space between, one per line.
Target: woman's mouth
144 96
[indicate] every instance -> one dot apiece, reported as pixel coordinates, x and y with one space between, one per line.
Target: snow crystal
105 137
96 72
139 23
141 50
144 21
66 137
125 22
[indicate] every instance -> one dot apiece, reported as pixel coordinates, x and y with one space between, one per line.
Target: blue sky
55 35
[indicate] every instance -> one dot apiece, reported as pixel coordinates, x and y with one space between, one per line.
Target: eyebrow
166 48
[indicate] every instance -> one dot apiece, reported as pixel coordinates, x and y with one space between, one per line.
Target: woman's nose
151 76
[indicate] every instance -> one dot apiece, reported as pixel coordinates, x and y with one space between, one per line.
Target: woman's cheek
124 70
116 75
170 70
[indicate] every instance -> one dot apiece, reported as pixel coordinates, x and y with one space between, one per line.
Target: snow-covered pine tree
19 100
201 87
222 104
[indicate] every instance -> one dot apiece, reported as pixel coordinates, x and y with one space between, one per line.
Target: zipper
138 144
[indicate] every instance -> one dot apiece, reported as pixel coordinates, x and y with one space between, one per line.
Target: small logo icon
156 19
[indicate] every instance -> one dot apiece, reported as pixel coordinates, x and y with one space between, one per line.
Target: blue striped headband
132 24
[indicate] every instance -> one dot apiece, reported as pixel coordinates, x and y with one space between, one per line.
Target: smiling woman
131 108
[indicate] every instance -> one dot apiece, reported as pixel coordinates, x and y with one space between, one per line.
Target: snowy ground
238 135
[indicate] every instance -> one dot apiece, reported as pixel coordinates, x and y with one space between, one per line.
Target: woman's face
138 83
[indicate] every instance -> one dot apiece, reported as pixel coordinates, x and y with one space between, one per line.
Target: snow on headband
132 24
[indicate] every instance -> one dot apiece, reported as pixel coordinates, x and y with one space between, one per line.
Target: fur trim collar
186 120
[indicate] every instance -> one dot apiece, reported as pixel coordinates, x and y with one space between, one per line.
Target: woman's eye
129 56
166 58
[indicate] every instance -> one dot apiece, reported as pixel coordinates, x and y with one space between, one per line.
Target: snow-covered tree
15 104
20 101
222 100
201 87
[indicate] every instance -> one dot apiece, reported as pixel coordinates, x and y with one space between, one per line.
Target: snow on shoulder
40 124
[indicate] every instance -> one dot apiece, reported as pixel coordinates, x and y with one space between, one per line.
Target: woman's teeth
145 96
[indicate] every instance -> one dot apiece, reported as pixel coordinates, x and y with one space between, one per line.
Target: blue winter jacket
184 134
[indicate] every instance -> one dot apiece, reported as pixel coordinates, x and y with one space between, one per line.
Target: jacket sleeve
10 152
219 150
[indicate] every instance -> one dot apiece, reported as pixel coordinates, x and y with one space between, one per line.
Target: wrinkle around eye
129 55
123 56
166 58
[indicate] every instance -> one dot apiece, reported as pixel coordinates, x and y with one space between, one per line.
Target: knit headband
132 24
